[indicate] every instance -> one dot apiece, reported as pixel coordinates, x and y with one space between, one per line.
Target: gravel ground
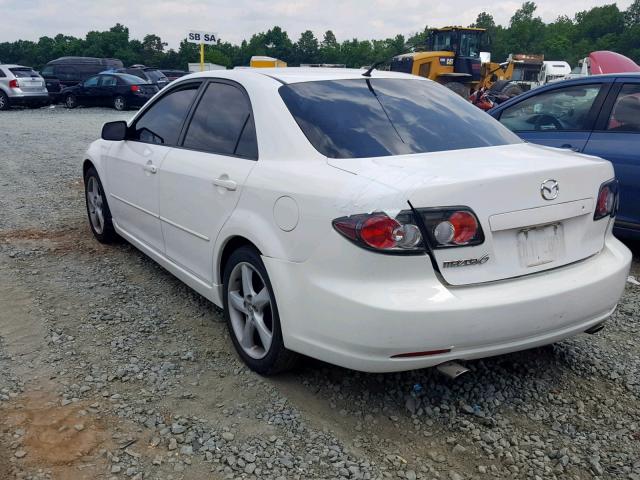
110 368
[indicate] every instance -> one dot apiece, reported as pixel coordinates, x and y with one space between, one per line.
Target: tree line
601 28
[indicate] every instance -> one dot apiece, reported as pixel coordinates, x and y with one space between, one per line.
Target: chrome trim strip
185 229
138 207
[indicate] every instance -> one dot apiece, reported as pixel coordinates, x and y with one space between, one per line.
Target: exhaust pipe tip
451 369
595 329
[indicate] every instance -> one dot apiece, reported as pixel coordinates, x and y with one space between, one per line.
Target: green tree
307 48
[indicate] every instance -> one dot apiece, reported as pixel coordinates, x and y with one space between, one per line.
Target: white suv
21 86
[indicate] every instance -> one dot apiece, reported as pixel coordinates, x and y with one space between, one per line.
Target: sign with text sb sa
198 36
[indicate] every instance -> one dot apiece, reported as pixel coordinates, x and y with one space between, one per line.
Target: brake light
377 231
135 88
14 84
607 202
449 226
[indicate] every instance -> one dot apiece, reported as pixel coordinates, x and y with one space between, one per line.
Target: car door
133 164
106 90
88 93
617 139
560 117
201 182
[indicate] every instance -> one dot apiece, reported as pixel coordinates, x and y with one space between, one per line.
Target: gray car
21 86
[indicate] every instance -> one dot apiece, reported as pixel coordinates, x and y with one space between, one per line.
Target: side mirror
114 131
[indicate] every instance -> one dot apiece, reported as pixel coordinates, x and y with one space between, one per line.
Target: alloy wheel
95 203
119 103
250 310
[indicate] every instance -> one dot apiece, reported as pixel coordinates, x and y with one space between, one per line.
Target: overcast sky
238 19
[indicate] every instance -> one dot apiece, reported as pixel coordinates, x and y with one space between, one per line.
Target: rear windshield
381 116
156 75
137 72
23 72
131 79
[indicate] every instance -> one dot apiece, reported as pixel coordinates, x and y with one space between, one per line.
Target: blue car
597 115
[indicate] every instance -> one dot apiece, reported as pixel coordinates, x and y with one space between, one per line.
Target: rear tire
4 101
459 88
70 101
98 210
251 314
120 103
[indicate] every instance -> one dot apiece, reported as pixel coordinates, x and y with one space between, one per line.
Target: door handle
225 183
570 147
150 167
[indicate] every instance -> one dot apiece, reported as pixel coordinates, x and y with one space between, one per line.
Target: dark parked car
597 115
150 74
73 70
174 74
117 90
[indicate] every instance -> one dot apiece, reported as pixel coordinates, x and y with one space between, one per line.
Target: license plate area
540 245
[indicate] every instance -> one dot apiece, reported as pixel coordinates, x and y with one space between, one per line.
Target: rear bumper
358 314
30 99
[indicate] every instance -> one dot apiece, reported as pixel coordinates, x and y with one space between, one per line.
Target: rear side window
2 74
108 81
162 122
23 72
66 73
625 116
47 71
223 123
382 116
560 109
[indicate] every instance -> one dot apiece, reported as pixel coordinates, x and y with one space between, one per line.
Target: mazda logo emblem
549 189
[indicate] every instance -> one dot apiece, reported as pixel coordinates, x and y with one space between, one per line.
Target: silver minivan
21 86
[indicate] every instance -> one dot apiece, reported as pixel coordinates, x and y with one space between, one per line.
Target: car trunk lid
524 232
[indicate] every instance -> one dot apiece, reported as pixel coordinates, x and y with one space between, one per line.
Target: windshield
470 44
381 117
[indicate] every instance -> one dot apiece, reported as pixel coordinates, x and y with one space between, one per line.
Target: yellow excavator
454 56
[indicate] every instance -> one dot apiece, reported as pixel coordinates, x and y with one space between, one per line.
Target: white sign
198 36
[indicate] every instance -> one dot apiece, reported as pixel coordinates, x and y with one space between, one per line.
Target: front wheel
97 208
70 101
120 103
252 314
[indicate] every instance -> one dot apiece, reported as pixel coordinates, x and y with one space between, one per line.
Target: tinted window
556 110
625 116
163 121
108 81
130 79
137 72
23 72
223 123
92 82
155 75
47 71
66 73
2 74
380 117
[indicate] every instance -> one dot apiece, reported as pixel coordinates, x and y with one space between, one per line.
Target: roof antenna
372 67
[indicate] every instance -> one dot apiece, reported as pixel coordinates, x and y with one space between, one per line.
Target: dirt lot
110 368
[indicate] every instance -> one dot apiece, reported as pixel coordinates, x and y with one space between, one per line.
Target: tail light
135 88
448 227
14 84
607 202
379 232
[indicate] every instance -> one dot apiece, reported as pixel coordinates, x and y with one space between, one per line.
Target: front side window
566 108
383 116
162 122
223 123
91 82
625 116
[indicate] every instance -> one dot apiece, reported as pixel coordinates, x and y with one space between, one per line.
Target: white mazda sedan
378 222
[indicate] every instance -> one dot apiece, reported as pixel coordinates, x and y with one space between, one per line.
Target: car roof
287 75
11 65
607 78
